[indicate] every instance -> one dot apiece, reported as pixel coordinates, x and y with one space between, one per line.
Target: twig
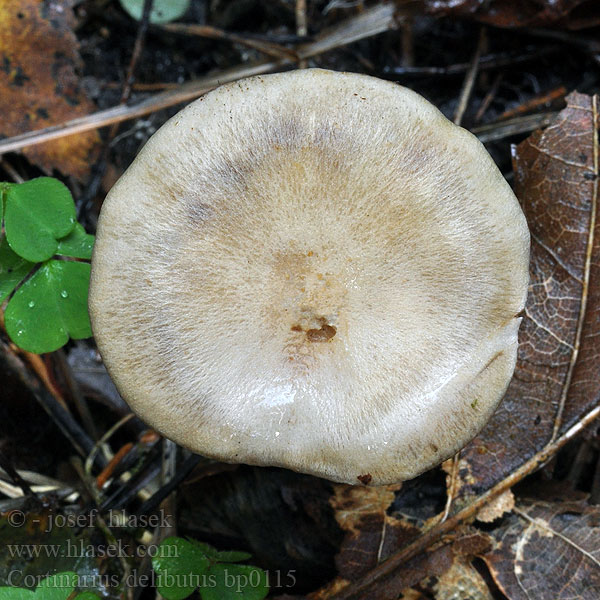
387 568
214 33
452 487
89 461
492 61
497 131
589 44
39 484
147 471
184 470
11 171
63 419
469 81
371 22
587 269
533 103
76 395
143 87
15 477
137 49
40 368
408 43
489 97
105 529
301 26
169 505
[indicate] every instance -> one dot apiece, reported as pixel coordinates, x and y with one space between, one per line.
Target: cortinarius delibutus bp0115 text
314 270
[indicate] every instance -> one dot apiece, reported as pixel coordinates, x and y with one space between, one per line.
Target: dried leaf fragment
38 58
548 550
461 581
372 535
571 14
498 507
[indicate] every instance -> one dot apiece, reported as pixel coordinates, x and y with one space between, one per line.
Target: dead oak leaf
497 508
38 83
570 14
461 581
371 534
548 550
555 381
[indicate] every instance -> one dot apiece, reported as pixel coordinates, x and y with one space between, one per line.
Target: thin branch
586 278
137 49
408 43
214 33
556 94
497 131
301 26
78 398
82 443
14 475
452 487
184 470
469 82
487 62
489 97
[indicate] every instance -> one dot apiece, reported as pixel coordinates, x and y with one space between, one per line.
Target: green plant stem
4 187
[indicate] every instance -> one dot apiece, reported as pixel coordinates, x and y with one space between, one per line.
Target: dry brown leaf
498 507
461 581
371 534
572 14
548 550
38 58
555 381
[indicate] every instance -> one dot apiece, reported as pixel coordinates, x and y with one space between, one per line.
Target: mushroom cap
314 270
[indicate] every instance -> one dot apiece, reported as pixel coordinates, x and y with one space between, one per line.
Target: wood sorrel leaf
50 307
38 213
13 269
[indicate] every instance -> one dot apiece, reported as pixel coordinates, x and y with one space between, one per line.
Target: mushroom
314 270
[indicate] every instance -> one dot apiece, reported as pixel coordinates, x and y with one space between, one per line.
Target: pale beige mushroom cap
314 270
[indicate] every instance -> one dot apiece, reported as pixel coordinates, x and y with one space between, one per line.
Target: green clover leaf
180 565
78 244
215 555
13 269
38 214
235 582
15 593
163 11
184 565
55 587
50 306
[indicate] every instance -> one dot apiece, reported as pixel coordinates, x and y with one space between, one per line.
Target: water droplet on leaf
64 294
31 304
